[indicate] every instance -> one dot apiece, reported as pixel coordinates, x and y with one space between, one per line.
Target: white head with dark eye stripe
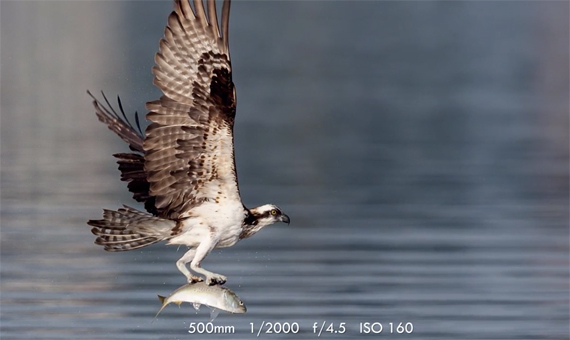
269 214
262 216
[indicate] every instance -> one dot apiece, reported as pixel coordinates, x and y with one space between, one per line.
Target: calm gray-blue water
420 149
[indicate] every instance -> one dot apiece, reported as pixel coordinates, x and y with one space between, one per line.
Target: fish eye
273 212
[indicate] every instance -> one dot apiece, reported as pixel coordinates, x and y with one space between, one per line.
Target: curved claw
216 280
194 279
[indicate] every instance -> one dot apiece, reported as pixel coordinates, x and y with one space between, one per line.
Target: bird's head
268 214
262 217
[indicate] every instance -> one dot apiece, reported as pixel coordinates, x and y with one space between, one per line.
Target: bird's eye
273 212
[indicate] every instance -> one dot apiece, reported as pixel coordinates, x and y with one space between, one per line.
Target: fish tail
161 299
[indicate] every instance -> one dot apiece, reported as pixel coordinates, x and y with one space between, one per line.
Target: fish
200 293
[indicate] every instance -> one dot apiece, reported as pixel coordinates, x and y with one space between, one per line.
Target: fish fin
214 314
161 298
196 305
178 303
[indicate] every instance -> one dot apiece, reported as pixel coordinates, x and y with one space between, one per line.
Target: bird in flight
183 168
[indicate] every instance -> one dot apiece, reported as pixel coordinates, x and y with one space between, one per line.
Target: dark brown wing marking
132 171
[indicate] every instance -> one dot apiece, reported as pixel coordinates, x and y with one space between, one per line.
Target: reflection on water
421 150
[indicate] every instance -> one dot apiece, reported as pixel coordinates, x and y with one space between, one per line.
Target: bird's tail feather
128 229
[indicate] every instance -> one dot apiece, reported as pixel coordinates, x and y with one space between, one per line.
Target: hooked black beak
285 218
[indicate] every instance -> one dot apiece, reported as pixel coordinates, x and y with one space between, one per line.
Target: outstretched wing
189 153
131 165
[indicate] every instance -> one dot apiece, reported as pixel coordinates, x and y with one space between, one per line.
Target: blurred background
420 148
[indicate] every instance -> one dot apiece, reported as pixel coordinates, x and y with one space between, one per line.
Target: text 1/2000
275 328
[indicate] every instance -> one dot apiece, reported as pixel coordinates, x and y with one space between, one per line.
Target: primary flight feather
183 170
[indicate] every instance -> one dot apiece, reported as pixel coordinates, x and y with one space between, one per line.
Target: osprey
183 170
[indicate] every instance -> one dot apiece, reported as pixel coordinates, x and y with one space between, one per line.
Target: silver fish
199 293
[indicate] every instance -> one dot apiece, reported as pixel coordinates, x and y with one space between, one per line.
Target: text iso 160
390 327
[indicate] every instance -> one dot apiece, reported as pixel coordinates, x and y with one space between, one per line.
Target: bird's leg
181 264
201 251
